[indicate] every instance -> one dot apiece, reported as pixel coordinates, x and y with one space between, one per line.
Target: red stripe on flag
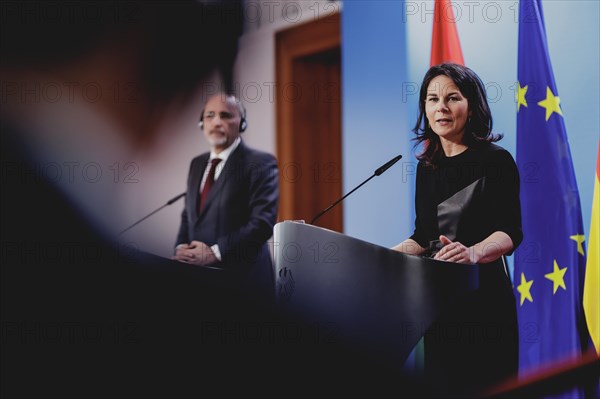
445 46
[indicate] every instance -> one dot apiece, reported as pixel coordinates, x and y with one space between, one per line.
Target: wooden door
309 146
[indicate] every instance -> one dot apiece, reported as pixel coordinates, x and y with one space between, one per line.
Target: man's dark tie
210 180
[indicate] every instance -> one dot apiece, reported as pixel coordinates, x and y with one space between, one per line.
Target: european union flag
550 263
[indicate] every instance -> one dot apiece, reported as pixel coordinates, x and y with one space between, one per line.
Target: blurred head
452 105
95 82
143 58
222 120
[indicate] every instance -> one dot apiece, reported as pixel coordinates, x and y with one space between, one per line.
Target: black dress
467 197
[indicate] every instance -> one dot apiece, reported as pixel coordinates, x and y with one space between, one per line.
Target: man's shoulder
202 157
254 155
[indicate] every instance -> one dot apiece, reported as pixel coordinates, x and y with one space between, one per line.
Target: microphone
377 172
387 165
169 202
175 199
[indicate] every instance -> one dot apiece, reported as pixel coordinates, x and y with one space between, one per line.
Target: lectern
380 300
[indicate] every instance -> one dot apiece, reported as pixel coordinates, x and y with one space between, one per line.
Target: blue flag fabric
550 263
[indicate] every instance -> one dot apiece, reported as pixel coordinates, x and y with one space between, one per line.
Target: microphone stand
338 201
150 214
377 172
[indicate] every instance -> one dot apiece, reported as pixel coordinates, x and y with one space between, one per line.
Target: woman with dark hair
467 211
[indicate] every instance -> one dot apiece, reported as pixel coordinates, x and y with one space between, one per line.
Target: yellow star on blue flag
551 103
579 239
521 92
525 289
557 277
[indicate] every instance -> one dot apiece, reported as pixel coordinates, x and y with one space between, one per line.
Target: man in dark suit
231 202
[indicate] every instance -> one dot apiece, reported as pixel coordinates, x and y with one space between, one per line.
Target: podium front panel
377 299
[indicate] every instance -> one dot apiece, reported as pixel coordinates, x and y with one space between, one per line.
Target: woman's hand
497 244
454 251
410 247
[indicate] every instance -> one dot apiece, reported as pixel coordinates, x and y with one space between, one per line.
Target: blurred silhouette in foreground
84 84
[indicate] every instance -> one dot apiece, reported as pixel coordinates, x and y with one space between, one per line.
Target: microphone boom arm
377 172
152 213
340 200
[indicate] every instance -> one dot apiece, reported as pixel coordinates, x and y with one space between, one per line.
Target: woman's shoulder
423 166
495 153
498 164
